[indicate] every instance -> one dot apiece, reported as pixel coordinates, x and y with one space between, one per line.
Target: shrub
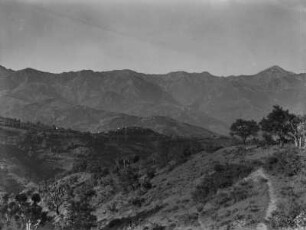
106 181
268 139
136 201
290 214
154 226
286 162
128 179
279 124
219 167
146 185
158 227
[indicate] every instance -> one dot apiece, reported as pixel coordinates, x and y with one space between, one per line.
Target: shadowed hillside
34 152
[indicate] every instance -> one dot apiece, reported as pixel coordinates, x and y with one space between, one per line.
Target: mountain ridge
270 68
199 99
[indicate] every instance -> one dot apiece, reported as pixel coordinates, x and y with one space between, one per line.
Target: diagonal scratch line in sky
102 28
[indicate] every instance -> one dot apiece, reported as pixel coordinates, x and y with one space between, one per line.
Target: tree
57 198
24 211
244 129
298 131
80 216
69 208
5 211
278 123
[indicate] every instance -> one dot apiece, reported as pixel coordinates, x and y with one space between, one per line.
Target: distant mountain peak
2 67
4 71
275 70
29 70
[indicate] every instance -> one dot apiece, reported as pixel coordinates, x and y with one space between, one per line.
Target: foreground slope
253 200
169 202
135 178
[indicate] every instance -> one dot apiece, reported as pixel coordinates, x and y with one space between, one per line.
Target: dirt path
272 199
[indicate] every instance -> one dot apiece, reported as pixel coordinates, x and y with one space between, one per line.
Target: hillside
232 188
160 124
135 178
34 152
87 119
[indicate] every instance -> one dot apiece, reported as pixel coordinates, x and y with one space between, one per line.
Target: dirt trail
272 199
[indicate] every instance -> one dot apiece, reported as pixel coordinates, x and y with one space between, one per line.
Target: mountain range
99 101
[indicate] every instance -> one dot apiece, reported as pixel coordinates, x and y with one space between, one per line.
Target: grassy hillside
231 188
238 195
135 178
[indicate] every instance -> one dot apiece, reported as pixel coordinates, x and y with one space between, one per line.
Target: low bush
146 185
267 140
290 214
137 201
154 226
158 227
286 162
128 179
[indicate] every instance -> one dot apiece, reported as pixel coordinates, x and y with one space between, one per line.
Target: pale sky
223 37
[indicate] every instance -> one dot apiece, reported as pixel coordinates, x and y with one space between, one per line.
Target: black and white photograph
152 114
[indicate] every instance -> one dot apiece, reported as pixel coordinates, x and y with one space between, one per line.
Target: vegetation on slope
135 178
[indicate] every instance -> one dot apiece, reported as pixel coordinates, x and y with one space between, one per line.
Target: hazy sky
223 37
